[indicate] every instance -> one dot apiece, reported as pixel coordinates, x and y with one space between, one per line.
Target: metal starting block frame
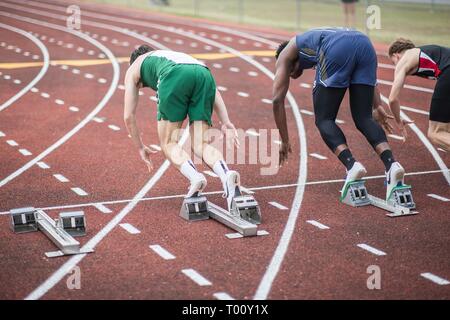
400 202
30 219
243 218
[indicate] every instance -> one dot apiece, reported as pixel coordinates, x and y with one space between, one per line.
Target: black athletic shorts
440 102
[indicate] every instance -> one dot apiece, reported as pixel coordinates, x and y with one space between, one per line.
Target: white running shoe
232 187
394 178
357 172
197 186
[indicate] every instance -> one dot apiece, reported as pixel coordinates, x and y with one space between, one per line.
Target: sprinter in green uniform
185 88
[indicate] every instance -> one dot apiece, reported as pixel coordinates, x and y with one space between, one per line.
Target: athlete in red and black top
432 62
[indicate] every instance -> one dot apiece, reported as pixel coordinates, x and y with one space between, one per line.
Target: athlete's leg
439 125
214 159
169 135
361 100
439 134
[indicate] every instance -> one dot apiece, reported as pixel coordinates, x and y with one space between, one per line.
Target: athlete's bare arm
132 84
379 113
222 113
406 66
284 66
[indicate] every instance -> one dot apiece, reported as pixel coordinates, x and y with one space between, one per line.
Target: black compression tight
326 106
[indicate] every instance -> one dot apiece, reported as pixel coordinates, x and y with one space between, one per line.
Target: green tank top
159 63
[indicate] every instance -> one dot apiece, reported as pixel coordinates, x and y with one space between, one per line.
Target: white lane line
277 205
305 85
415 110
221 88
196 277
64 67
114 127
407 86
102 80
223 296
251 132
318 156
243 94
217 65
307 112
371 249
74 109
163 253
121 87
7 77
234 69
437 197
246 190
45 95
12 143
59 101
43 165
76 71
434 278
194 45
253 74
396 137
17 81
88 75
386 66
210 173
2 134
102 208
61 178
34 90
267 101
25 152
130 228
318 224
79 191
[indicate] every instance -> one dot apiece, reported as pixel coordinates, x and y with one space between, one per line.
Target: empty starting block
74 223
399 203
59 232
244 217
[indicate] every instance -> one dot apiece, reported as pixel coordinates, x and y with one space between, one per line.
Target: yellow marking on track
94 62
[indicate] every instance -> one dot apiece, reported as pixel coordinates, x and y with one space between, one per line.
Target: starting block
59 232
243 218
400 202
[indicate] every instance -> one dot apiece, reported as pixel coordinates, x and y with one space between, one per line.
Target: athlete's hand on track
229 128
382 117
402 126
284 152
145 156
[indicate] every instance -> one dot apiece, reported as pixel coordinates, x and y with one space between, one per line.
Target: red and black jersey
433 60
